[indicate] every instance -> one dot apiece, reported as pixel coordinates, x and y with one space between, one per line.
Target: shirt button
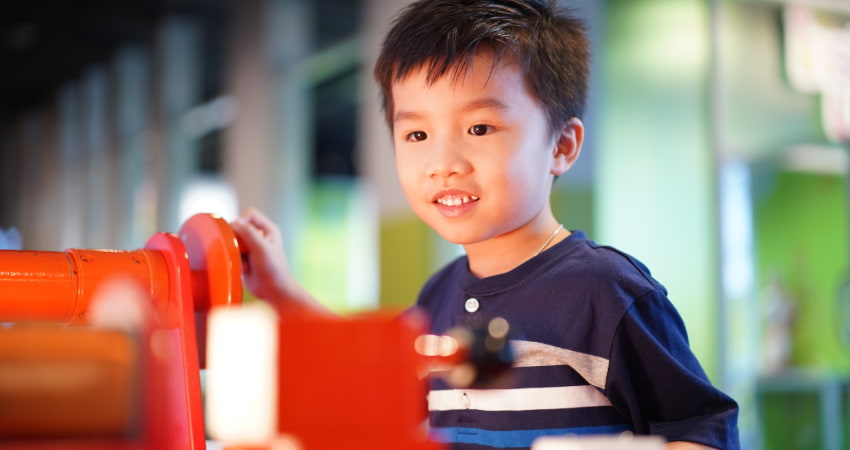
471 305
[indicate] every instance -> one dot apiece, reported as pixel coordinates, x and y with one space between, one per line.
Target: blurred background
716 152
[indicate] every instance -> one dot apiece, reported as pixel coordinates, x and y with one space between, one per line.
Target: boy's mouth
455 204
456 200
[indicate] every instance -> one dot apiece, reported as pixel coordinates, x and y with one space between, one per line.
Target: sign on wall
817 61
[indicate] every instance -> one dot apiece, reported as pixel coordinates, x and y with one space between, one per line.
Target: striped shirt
599 349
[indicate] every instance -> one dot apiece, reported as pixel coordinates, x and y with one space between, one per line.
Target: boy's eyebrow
482 103
485 103
402 115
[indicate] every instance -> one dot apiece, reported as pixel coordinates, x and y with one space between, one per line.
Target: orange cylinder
37 286
59 286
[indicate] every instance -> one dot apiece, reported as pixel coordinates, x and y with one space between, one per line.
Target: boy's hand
264 268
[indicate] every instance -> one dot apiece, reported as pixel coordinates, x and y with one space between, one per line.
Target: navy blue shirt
599 350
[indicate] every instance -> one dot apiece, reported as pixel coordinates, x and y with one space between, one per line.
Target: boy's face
474 154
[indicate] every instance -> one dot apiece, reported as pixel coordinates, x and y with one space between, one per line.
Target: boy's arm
265 271
655 378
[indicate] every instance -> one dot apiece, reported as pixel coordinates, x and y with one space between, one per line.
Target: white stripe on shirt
523 399
594 369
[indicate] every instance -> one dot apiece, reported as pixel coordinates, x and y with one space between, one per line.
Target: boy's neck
503 254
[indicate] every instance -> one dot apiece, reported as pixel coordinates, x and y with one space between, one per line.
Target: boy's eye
417 136
480 130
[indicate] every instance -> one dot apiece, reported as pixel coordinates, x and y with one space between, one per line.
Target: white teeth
454 200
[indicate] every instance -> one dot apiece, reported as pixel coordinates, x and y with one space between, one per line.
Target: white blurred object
241 376
10 239
779 318
624 441
209 194
121 304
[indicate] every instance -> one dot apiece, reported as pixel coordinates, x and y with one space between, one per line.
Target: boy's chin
454 237
455 233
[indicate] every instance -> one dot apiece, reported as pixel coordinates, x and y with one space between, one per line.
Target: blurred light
817 55
498 328
461 375
737 228
241 378
209 194
214 115
435 345
120 304
673 49
817 159
624 441
835 111
10 239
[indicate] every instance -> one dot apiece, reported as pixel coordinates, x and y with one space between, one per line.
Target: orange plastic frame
185 275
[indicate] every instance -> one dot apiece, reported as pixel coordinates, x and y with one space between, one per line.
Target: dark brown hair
443 36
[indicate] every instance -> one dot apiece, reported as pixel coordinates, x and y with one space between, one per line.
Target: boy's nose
448 159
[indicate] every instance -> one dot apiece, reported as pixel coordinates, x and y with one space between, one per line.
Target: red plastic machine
75 375
67 383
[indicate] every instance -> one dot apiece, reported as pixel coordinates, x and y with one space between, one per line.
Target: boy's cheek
408 187
406 166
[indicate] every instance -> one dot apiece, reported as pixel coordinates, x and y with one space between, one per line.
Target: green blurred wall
573 206
655 175
407 250
801 240
801 237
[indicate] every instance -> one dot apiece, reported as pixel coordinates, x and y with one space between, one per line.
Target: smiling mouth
456 200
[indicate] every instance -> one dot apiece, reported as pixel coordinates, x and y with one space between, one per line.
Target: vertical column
739 318
408 249
12 175
267 146
68 216
248 141
290 43
375 152
178 51
133 167
10 181
46 179
94 176
30 144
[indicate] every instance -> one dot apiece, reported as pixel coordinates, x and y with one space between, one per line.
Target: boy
483 99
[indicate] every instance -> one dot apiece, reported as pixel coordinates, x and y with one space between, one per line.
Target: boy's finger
249 240
247 236
265 225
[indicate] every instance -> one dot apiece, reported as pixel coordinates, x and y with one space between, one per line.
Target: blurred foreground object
316 383
104 349
477 355
68 383
621 442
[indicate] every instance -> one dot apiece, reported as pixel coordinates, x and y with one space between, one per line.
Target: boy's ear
568 146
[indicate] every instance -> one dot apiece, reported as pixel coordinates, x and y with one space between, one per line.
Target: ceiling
45 43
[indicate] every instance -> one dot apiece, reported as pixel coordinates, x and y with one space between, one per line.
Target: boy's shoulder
579 260
608 263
